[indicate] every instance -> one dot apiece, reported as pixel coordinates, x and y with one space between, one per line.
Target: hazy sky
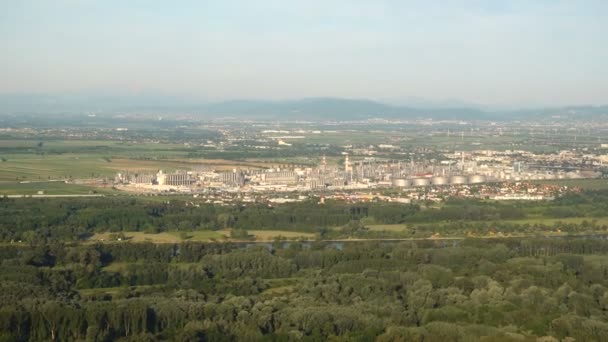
492 52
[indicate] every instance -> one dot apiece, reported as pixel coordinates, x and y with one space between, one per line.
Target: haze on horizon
514 52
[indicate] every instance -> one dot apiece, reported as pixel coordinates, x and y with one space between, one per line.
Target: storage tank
458 180
476 179
401 182
439 180
421 182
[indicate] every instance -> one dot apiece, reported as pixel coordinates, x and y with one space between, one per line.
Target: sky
519 52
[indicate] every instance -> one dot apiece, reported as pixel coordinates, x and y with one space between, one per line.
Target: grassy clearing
203 236
530 221
399 228
552 221
260 235
139 237
549 222
269 235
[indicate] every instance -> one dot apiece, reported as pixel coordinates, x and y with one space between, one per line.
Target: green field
554 221
51 188
340 138
23 160
204 236
585 184
530 221
387 227
404 231
66 166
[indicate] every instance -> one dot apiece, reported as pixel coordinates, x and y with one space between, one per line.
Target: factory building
142 179
234 178
174 179
281 177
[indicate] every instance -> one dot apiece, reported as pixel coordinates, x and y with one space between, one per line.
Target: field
344 138
585 184
23 160
459 139
269 235
554 222
399 228
204 236
530 221
50 188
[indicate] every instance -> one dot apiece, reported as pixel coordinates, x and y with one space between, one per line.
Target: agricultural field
344 138
52 188
26 160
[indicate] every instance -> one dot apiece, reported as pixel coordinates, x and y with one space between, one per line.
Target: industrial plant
455 169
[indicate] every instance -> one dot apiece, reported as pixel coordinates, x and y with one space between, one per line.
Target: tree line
35 220
518 289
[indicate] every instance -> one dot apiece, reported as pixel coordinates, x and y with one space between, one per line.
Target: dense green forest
56 286
37 220
426 291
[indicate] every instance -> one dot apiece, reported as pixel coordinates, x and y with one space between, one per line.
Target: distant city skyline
497 53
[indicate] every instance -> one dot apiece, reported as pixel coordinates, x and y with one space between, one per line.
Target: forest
35 220
55 285
493 290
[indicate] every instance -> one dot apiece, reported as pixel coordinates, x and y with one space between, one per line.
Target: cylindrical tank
421 182
439 180
476 179
458 180
401 182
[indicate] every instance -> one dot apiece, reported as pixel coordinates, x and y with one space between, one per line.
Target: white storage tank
418 182
439 180
458 180
401 182
477 179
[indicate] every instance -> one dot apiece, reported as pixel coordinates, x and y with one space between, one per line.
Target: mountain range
338 109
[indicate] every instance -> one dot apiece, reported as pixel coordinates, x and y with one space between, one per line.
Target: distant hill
303 109
334 109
